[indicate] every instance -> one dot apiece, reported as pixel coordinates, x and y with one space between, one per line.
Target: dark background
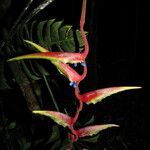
118 56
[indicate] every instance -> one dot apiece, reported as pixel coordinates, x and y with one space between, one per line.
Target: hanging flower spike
82 22
60 118
92 130
99 95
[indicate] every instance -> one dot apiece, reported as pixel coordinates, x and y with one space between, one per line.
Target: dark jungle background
118 56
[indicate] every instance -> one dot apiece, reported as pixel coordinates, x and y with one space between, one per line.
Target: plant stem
50 92
77 112
78 96
37 10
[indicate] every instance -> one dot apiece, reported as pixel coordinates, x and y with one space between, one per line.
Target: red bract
64 57
92 130
99 95
67 71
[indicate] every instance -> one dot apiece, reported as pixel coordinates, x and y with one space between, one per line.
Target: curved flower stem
79 109
85 53
77 112
82 22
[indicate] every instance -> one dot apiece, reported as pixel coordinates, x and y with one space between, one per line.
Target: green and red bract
64 57
99 95
94 129
60 118
67 71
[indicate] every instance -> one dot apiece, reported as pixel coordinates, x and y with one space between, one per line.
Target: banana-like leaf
92 130
99 95
60 118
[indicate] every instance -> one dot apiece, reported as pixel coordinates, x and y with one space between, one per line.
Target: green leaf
55 134
66 142
31 30
55 31
47 36
12 125
41 69
56 145
28 72
93 139
40 31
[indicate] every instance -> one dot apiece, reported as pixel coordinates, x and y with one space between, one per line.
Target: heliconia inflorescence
61 60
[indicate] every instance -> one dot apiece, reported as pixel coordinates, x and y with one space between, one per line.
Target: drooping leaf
47 36
55 134
65 144
28 72
91 120
99 95
56 145
92 130
40 36
60 118
55 32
